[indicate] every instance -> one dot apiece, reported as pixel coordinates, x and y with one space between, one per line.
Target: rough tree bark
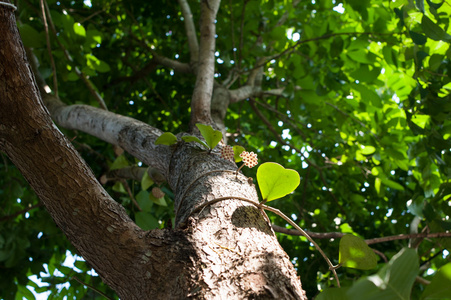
225 251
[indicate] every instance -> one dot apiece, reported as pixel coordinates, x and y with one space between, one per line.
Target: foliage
355 96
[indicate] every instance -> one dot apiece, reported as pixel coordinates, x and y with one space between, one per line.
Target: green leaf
192 138
275 181
166 138
211 136
79 29
392 184
119 187
393 281
97 64
143 199
119 163
440 287
30 37
145 220
433 31
159 201
355 253
146 181
368 150
24 292
418 38
333 294
237 150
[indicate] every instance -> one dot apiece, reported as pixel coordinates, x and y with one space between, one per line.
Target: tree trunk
225 250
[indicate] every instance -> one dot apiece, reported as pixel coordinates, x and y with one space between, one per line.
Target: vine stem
281 214
261 207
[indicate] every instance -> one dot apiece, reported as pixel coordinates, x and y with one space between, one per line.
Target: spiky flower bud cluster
249 159
227 153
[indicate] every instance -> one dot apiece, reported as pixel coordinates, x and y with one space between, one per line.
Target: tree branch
190 32
203 89
135 137
334 235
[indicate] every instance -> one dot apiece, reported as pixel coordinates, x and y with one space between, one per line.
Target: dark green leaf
433 31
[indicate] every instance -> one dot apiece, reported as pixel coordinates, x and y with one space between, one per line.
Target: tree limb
190 32
203 89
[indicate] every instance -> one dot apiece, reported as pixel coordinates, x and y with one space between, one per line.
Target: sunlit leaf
275 181
355 253
79 29
237 150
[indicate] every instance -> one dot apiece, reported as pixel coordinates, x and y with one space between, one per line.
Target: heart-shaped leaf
167 139
211 136
192 138
355 253
275 181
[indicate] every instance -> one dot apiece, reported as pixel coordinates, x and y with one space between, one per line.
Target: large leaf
355 253
440 287
393 282
275 181
333 294
433 31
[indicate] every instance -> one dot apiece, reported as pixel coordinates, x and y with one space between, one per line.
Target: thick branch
135 137
190 31
203 90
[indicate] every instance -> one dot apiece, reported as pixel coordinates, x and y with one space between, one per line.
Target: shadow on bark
250 217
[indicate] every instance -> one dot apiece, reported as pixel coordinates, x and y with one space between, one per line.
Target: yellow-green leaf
275 181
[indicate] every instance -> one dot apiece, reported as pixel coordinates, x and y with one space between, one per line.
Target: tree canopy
353 95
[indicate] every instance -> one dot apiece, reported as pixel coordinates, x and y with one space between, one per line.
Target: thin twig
281 214
241 35
4 218
190 32
49 47
323 37
79 73
408 236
